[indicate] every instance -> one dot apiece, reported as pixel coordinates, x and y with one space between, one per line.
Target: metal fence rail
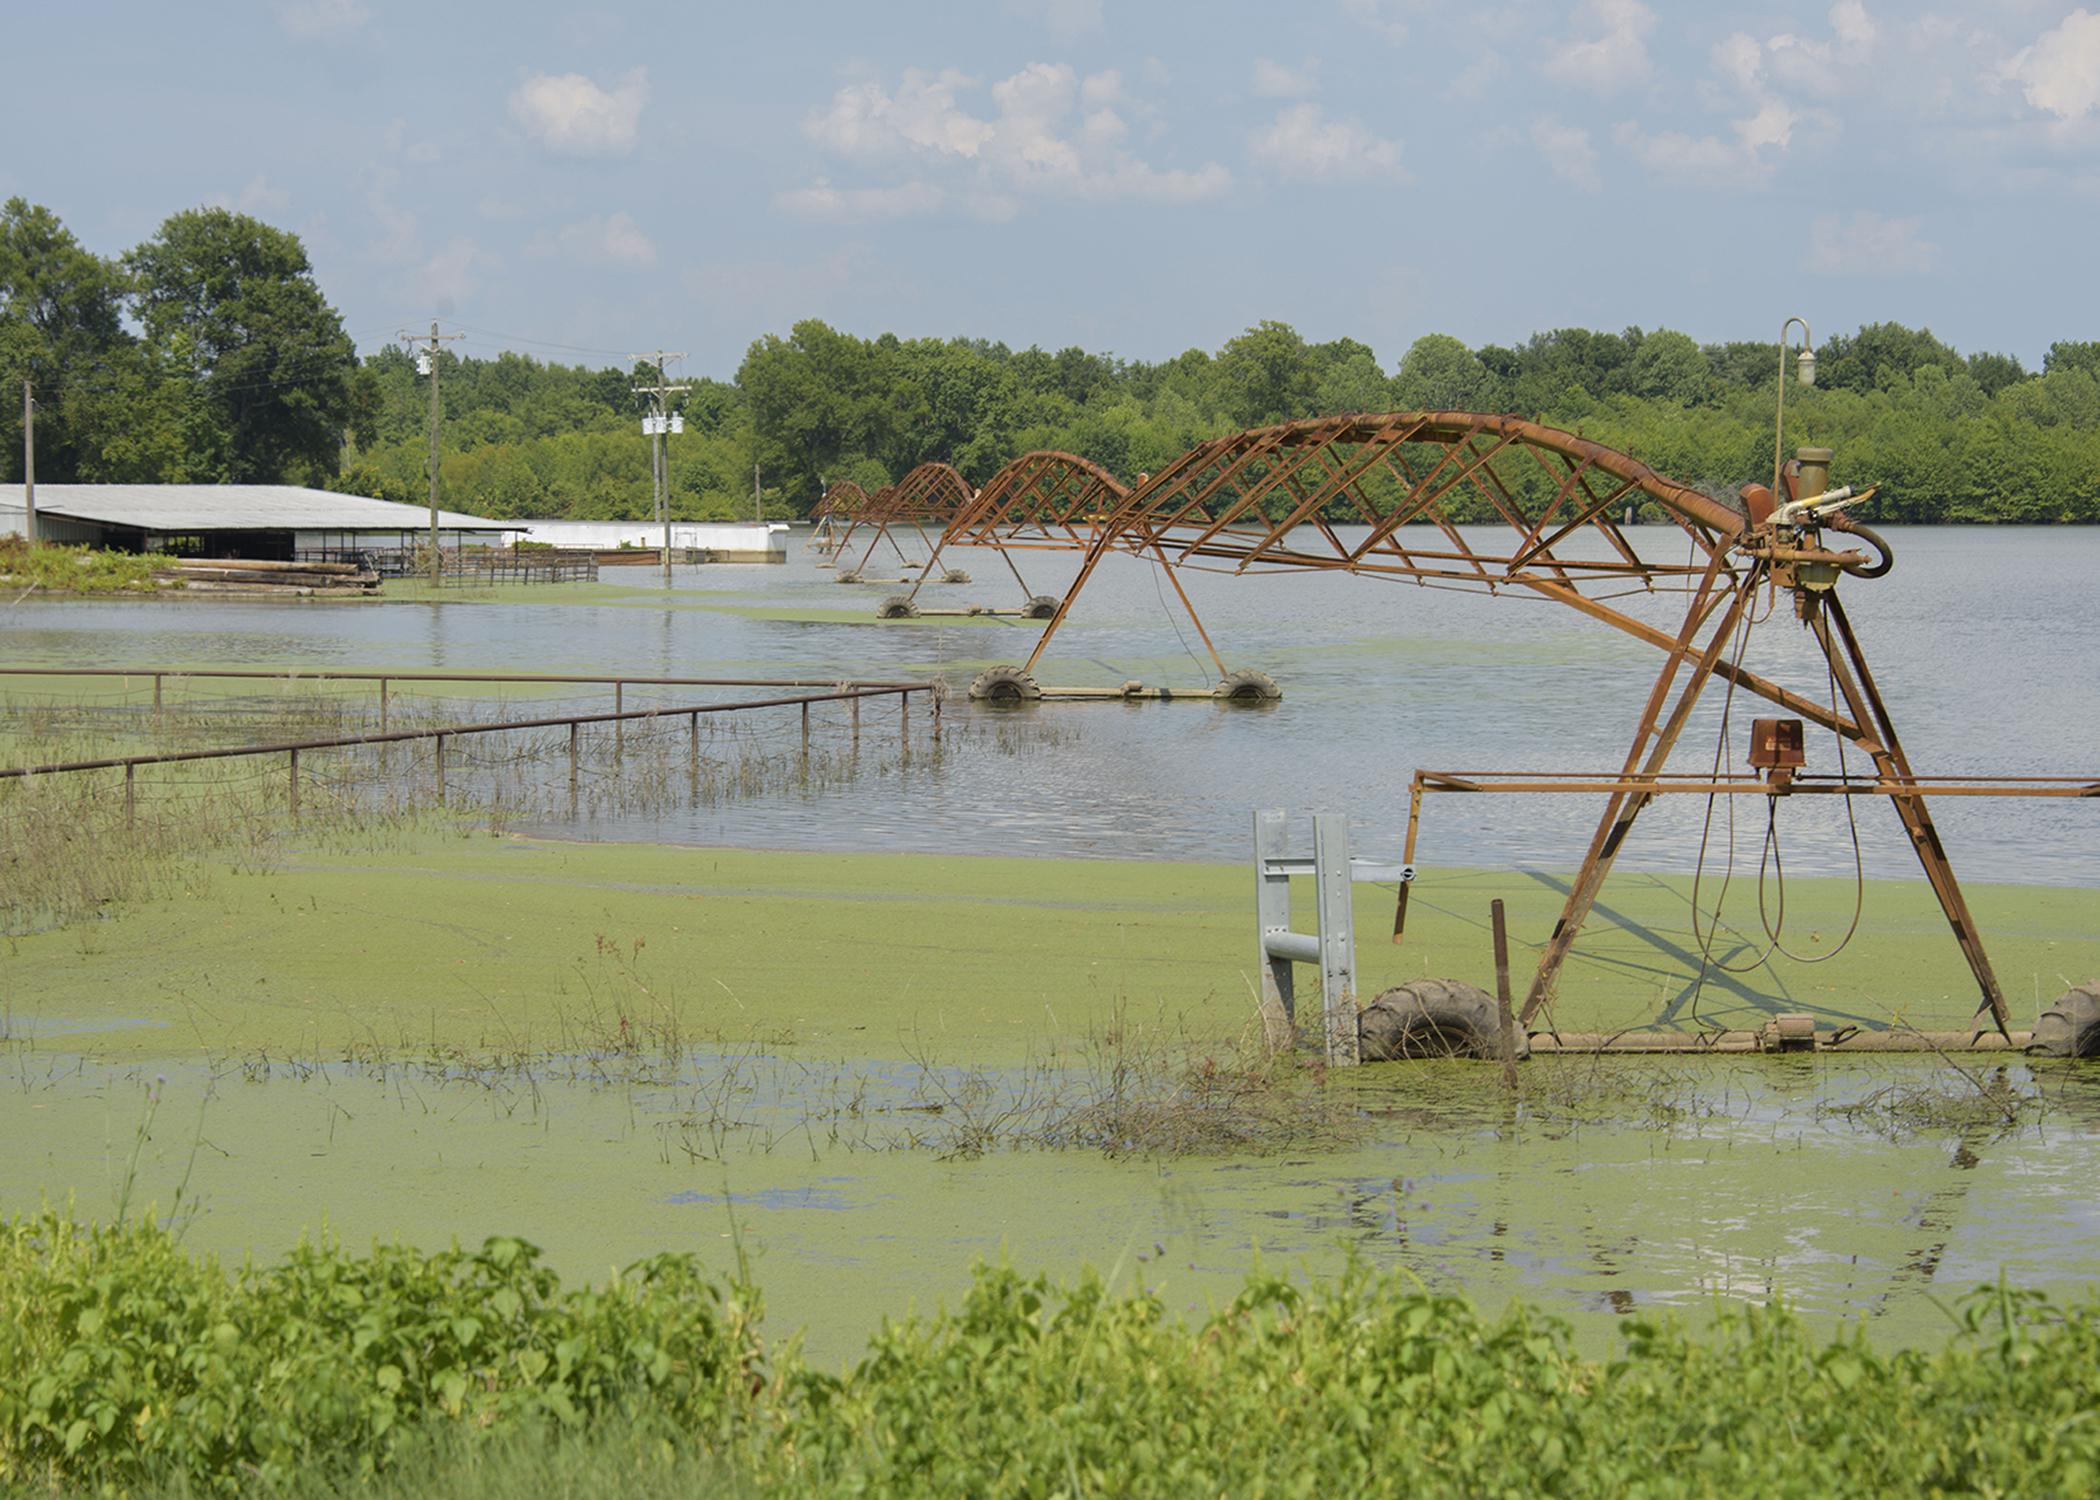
292 749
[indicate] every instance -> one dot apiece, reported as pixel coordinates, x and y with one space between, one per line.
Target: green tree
1267 374
1439 373
61 327
230 306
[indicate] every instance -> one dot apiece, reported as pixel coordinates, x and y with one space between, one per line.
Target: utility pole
427 364
28 463
657 422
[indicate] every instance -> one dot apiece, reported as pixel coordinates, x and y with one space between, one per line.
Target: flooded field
879 1010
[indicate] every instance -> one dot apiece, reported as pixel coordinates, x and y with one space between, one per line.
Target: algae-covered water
1592 1196
784 1020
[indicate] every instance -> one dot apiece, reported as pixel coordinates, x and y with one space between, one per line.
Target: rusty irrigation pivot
930 495
1500 506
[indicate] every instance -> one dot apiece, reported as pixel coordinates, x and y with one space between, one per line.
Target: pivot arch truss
930 495
1042 501
1388 495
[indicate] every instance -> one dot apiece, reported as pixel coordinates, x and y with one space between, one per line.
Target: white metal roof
180 508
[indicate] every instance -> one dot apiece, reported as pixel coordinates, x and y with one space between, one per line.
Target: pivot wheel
1246 686
896 607
2070 1027
1041 607
1431 1018
1004 685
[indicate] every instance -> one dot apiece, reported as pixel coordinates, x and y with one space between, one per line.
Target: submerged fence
801 696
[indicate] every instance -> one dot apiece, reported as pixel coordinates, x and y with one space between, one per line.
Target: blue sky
1131 175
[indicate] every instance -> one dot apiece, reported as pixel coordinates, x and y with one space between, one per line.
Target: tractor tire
1431 1018
955 575
1004 685
896 607
1041 607
1247 686
2070 1027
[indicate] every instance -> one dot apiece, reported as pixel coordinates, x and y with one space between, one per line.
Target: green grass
125 1363
476 941
76 570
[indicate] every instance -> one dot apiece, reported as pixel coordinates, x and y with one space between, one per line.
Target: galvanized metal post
1272 918
1335 893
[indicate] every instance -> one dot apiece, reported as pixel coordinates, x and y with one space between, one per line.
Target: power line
427 364
658 422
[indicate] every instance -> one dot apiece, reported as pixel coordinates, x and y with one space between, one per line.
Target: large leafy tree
61 327
230 308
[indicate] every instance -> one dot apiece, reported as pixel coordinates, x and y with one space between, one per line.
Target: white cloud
834 205
258 198
451 276
1478 76
1713 161
396 140
1867 244
317 20
1275 80
1855 28
2060 73
571 115
920 115
1740 58
1386 17
1568 152
610 240
1302 141
1049 132
1613 58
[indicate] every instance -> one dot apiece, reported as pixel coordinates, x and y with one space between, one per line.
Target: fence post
1272 915
1506 1021
619 725
295 786
130 806
805 728
856 716
382 705
937 696
575 729
692 768
156 700
904 718
1336 894
441 767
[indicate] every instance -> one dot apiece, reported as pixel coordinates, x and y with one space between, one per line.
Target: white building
264 521
722 541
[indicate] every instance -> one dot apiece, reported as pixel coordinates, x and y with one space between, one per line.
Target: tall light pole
1807 368
657 423
28 463
427 364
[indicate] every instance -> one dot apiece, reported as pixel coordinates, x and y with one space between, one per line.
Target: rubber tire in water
896 607
1041 607
1247 686
2070 1027
1431 1018
1004 685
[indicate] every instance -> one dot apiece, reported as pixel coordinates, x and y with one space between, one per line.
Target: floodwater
1608 1190
1983 640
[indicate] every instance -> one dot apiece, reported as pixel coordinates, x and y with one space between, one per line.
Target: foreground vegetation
125 1362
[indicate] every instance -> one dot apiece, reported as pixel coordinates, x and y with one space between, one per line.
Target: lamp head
1805 366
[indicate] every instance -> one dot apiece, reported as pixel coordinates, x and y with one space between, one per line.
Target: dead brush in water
1989 1103
1135 1090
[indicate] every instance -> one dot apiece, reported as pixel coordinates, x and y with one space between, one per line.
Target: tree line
210 354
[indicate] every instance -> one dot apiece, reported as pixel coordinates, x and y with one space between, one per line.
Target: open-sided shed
279 521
